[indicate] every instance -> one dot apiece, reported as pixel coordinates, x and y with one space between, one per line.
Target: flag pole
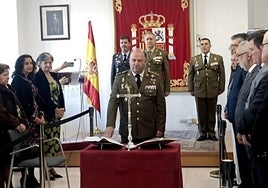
91 82
97 130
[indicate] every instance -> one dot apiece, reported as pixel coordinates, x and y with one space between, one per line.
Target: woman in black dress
27 93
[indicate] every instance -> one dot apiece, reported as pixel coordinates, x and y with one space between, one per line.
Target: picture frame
54 20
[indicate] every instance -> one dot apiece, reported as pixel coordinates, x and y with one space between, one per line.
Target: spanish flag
91 81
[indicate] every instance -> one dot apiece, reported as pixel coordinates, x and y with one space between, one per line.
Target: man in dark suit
252 126
236 80
257 48
148 112
246 62
157 61
120 61
255 132
206 80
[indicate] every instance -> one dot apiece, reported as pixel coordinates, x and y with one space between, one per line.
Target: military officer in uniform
157 61
148 112
206 80
120 62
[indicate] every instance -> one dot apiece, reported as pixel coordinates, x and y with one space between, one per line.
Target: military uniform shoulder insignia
153 74
123 72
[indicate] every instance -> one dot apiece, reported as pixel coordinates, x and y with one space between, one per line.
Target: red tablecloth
139 168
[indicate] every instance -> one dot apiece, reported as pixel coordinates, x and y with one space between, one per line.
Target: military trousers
206 113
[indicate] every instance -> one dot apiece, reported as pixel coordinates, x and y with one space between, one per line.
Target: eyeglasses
238 55
232 46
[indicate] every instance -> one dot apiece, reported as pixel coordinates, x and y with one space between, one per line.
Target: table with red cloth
138 168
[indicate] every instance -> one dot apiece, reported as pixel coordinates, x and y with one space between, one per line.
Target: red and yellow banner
168 20
91 81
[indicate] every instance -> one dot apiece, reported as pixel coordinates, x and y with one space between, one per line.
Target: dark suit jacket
255 118
46 104
206 83
118 65
234 89
255 83
242 97
148 112
158 63
24 92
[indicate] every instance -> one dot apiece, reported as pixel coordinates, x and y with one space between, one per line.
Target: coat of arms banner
168 20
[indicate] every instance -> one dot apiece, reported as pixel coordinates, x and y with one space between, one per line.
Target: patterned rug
187 140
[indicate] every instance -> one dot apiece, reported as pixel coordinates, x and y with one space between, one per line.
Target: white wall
215 19
9 33
219 20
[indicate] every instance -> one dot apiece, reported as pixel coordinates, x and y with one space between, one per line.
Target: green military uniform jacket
206 82
148 112
158 63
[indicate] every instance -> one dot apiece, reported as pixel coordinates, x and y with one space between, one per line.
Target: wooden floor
207 159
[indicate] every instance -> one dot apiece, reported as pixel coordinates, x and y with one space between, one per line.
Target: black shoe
201 138
21 182
213 138
31 182
54 174
51 178
57 175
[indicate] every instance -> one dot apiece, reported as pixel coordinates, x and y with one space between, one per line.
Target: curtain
169 20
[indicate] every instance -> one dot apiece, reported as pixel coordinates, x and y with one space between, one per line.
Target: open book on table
156 142
104 142
112 143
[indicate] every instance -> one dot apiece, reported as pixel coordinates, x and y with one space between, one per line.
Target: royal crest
91 68
154 23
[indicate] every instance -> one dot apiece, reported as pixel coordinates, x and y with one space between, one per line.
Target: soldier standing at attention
148 112
120 62
157 61
206 80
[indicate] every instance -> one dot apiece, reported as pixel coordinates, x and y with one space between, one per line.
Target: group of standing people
31 91
246 106
247 88
251 110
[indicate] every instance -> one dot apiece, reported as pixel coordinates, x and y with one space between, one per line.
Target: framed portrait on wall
54 20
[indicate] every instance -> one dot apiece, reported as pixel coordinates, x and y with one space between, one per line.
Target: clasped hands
59 112
243 139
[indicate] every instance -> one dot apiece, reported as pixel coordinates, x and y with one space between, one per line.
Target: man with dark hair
206 80
120 61
256 49
236 39
237 78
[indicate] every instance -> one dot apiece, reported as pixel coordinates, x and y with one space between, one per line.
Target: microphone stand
41 158
226 165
